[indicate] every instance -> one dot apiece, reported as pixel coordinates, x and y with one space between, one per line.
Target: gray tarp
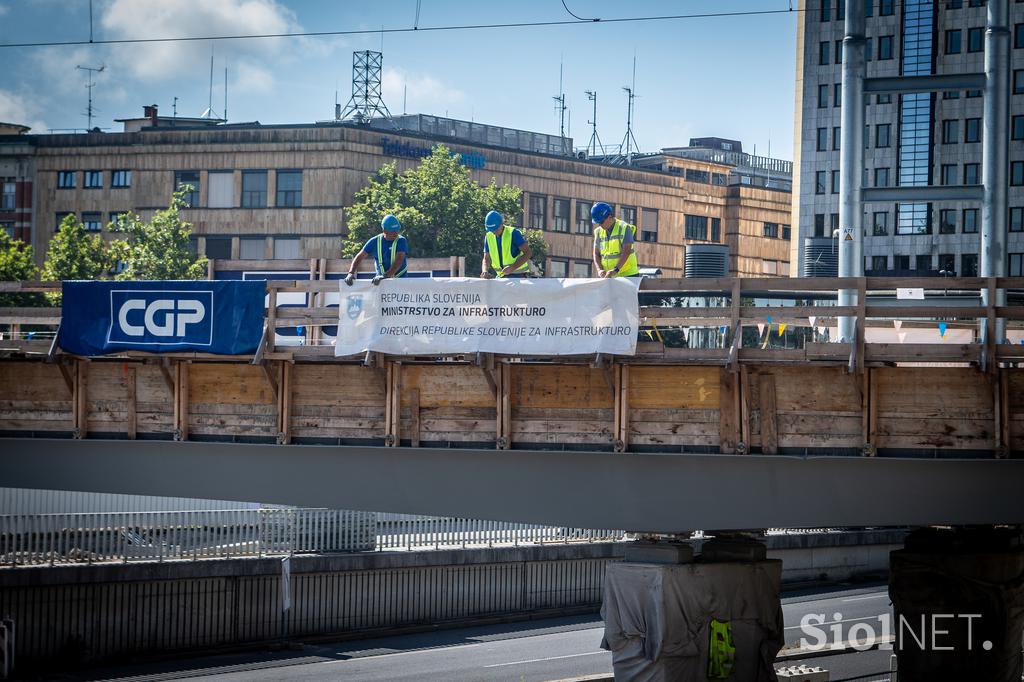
657 618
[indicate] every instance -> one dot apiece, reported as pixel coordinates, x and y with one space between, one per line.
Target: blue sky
728 76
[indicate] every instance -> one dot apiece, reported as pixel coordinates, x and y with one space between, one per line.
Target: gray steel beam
902 85
910 193
851 160
635 492
994 158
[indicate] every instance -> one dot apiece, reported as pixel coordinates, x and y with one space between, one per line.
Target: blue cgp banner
220 317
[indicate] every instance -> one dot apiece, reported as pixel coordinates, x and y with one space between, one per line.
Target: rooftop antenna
337 106
89 110
405 97
366 90
225 94
768 161
561 111
209 108
629 143
174 108
595 140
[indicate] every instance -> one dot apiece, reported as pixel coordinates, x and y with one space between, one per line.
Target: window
969 265
628 214
696 227
836 137
948 174
869 8
880 224
787 232
951 94
771 230
188 181
8 227
716 230
252 248
839 52
1017 219
841 9
218 247
1018 81
882 135
972 130
560 218
835 182
879 263
819 224
1016 265
970 221
819 182
1017 128
583 224
869 49
120 179
558 267
885 8
60 219
883 99
694 175
649 226
193 245
581 268
66 179
538 211
881 177
824 49
954 4
950 131
975 39
972 94
289 189
837 94
822 139
947 263
1017 173
885 47
92 179
823 96
286 247
953 42
923 261
718 179
913 219
972 173
115 216
826 10
901 262
254 189
220 187
93 222
1018 36
947 221
833 224
7 196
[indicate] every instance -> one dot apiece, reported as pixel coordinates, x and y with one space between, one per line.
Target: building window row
536 216
886 8
92 221
93 179
249 248
254 192
923 262
559 267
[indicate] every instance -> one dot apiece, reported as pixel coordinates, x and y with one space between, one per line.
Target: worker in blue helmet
505 250
389 251
613 243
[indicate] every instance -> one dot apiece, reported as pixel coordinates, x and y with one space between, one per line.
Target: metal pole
851 161
994 152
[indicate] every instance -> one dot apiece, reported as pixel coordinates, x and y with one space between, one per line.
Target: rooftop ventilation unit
706 260
820 257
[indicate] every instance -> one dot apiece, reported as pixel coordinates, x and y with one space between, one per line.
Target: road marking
833 622
550 658
870 596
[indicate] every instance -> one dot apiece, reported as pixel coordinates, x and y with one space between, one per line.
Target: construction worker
613 243
388 249
505 250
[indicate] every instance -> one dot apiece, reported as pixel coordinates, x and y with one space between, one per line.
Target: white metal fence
27 539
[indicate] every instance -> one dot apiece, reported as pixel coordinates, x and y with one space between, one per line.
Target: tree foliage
441 209
157 249
17 264
74 254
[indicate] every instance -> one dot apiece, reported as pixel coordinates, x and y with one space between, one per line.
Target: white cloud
425 93
18 109
252 78
4 9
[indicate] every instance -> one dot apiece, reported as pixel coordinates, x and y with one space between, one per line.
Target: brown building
280 191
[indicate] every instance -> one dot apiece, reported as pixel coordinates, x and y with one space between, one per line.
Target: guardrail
426 532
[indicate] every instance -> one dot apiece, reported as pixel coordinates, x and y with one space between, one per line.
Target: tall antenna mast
225 94
89 111
561 112
629 143
595 141
366 97
209 107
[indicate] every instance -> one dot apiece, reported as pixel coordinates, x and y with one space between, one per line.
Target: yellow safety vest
501 256
609 245
380 256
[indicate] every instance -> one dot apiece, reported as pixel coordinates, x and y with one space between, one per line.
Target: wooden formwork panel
677 406
154 400
34 397
108 404
561 404
230 400
1014 393
337 401
933 407
451 404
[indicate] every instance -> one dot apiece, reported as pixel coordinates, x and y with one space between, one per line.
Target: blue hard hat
390 224
599 212
493 221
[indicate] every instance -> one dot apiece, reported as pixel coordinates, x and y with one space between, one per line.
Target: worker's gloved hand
378 279
487 274
349 278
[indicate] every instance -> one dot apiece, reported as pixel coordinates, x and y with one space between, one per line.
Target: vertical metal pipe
994 159
851 160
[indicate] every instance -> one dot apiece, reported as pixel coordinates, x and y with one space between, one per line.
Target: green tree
74 254
17 264
157 249
441 209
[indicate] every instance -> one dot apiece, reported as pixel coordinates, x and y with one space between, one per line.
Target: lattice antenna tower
366 100
595 140
89 109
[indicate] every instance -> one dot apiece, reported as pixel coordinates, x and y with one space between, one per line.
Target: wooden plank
870 407
183 398
285 411
68 379
769 419
729 420
674 387
81 396
414 427
389 416
624 398
132 400
560 385
506 405
1004 408
745 408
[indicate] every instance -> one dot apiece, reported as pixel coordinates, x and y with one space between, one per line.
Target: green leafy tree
74 254
157 249
17 264
441 209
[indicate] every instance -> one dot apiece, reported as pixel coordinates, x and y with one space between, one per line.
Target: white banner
544 316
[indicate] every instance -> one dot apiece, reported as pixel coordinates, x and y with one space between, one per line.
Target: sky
729 77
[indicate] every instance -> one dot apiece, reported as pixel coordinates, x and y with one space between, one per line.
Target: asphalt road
533 651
